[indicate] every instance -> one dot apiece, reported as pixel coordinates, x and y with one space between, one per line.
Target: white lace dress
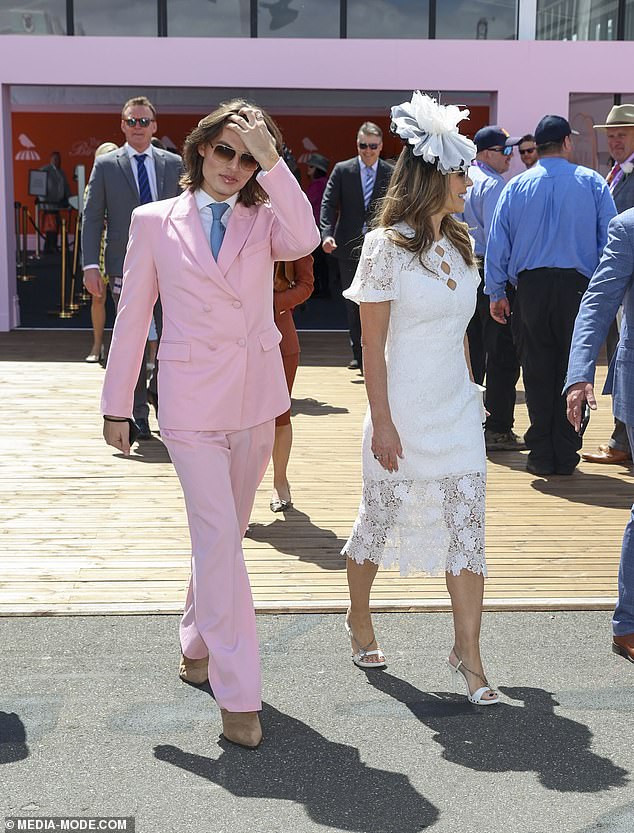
429 515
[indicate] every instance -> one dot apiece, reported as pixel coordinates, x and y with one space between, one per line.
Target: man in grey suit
351 196
619 129
610 286
132 175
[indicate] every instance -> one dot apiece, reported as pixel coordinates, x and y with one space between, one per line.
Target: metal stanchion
72 300
63 311
37 254
18 239
23 273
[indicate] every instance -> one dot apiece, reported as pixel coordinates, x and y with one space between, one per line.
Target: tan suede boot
193 671
242 728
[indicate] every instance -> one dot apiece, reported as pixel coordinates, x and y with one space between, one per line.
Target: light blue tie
217 233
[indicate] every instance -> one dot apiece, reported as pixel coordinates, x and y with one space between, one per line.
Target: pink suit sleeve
134 314
294 233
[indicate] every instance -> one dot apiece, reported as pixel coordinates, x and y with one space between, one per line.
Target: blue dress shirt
553 216
480 203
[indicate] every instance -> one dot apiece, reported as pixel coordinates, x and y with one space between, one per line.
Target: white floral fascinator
432 130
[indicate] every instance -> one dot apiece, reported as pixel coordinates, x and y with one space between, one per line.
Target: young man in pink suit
210 254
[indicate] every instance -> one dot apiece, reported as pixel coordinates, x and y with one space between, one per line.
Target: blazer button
242 342
206 308
236 305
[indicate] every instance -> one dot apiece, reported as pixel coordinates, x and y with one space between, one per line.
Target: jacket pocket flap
270 338
174 351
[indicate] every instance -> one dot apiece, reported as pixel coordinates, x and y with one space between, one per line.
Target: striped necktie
217 233
145 194
368 185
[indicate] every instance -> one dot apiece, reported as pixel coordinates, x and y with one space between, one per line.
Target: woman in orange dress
293 284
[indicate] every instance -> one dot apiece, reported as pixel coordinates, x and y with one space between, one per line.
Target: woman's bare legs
281 455
98 318
360 578
466 591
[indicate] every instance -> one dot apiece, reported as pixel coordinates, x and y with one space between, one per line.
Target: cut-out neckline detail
444 266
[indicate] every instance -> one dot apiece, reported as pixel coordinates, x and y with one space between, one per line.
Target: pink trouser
220 473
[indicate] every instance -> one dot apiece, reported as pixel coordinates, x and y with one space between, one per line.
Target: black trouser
546 305
140 408
619 439
347 268
493 355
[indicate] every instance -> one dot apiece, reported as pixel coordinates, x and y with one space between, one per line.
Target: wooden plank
67 543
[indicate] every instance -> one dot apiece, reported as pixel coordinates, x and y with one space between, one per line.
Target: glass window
116 17
590 146
479 20
570 20
26 17
200 18
388 18
629 20
298 18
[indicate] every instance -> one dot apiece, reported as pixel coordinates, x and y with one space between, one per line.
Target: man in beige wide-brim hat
619 130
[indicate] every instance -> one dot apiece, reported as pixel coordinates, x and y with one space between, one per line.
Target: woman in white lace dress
424 466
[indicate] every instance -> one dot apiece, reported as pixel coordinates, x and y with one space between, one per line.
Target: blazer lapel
185 219
355 173
238 229
159 167
126 169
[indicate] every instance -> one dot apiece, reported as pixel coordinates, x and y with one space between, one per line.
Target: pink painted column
9 306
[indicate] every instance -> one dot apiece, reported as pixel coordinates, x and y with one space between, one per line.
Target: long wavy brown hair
418 190
206 131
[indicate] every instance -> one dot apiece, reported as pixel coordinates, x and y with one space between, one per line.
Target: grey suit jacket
342 210
113 195
623 194
609 287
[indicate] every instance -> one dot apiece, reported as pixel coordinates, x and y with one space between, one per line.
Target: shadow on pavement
297 535
507 738
13 745
296 763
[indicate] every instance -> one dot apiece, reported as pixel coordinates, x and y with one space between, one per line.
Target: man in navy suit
609 287
350 199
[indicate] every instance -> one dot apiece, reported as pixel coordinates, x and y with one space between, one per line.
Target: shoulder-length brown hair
205 132
417 191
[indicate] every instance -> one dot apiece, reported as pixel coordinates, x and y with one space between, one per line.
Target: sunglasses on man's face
223 153
141 122
503 151
365 145
524 151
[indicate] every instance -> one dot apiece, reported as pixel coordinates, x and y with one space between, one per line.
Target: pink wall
529 78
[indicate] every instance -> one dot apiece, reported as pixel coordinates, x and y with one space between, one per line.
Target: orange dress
293 285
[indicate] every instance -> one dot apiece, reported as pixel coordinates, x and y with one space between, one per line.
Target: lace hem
428 526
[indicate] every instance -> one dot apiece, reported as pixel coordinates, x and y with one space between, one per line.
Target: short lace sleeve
377 274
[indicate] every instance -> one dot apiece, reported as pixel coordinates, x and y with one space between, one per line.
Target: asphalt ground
94 722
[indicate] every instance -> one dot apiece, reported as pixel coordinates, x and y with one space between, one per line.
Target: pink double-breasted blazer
220 367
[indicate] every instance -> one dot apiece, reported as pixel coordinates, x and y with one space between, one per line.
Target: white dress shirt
149 167
204 201
373 168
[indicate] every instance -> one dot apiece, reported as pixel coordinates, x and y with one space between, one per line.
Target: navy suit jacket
609 287
342 210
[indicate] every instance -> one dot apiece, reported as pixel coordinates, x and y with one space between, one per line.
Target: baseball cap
553 129
493 136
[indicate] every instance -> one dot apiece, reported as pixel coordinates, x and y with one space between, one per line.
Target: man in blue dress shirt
490 344
547 235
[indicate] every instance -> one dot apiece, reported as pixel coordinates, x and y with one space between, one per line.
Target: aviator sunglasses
144 122
365 145
223 153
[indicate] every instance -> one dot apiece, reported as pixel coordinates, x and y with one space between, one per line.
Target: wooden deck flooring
84 531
